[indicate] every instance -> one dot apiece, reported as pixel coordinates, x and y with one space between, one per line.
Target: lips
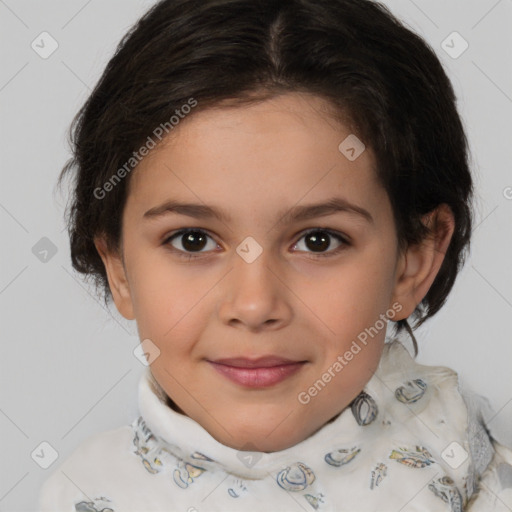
261 362
257 373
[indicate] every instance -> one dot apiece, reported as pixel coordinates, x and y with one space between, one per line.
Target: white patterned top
409 442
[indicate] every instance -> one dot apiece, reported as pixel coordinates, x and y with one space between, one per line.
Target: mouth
257 373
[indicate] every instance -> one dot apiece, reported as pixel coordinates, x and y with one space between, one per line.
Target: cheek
351 295
167 301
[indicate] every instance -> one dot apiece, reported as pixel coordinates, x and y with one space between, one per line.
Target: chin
261 436
262 444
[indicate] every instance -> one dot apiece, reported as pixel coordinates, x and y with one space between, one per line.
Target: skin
255 162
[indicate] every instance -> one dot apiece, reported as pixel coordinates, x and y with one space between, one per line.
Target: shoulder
448 418
82 480
495 486
413 390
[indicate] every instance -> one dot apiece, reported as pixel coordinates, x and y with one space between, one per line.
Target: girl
263 186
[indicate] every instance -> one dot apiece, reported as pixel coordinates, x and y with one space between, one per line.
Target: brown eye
191 240
319 241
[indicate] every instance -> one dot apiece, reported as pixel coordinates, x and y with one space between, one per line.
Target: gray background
67 368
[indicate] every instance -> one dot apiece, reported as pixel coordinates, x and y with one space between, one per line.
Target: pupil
193 241
318 242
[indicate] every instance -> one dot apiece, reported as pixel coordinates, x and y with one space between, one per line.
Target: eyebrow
296 213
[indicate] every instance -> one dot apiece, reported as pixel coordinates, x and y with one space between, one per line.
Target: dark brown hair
384 80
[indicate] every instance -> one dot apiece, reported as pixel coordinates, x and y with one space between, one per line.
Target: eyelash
190 255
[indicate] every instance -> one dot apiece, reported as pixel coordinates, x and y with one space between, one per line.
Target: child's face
256 164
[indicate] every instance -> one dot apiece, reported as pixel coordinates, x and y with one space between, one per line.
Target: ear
419 264
117 279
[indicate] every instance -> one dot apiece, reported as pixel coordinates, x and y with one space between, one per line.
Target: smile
258 377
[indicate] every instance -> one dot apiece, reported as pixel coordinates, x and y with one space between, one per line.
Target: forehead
278 151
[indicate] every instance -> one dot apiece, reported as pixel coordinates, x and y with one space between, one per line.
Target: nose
254 296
